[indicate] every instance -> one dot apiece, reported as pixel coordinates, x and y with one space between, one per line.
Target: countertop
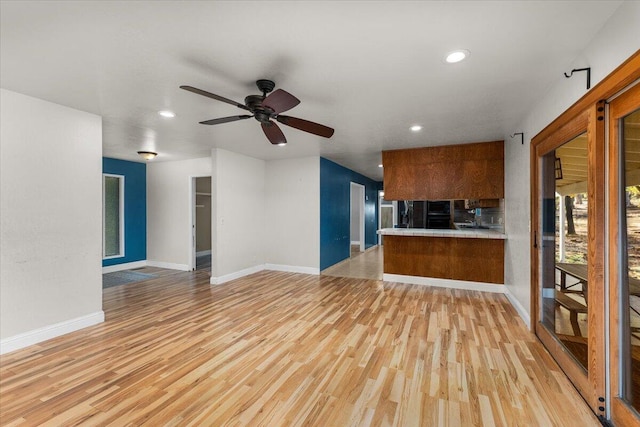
471 233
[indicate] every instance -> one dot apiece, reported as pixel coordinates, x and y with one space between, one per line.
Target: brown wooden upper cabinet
465 171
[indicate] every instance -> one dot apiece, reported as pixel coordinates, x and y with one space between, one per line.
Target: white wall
51 218
168 210
292 221
614 43
238 214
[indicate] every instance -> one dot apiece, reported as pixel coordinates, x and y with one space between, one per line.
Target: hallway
361 265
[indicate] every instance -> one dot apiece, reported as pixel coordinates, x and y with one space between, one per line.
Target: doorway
387 217
200 223
585 239
357 236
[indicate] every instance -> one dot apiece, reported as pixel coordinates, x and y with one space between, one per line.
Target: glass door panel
624 252
630 250
564 302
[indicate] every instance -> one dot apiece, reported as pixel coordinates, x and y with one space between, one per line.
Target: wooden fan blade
306 125
225 120
214 96
280 101
273 133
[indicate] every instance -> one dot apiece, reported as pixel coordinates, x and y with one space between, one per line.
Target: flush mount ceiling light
456 56
166 113
416 128
281 144
147 155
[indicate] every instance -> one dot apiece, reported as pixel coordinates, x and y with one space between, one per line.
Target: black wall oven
438 214
424 214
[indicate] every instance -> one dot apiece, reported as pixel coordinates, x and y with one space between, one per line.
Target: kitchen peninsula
471 172
475 255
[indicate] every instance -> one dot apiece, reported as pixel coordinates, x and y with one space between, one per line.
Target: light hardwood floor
361 265
275 349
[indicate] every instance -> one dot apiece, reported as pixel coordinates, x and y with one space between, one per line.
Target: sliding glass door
564 297
568 260
624 266
585 235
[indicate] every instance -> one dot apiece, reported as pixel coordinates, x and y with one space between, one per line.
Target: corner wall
168 210
238 215
335 199
135 209
50 220
292 215
615 42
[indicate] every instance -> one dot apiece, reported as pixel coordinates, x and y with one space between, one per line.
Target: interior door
624 261
568 254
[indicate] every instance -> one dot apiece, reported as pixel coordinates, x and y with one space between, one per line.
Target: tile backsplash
491 217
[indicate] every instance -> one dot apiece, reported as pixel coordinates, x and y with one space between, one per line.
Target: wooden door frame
586 114
626 103
589 384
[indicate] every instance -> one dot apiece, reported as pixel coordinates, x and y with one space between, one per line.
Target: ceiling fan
266 108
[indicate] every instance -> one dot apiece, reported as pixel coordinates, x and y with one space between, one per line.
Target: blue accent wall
335 200
135 208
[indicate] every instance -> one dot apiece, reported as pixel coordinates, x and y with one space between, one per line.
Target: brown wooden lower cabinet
476 260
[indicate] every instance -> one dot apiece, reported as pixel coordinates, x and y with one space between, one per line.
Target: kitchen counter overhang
475 255
467 233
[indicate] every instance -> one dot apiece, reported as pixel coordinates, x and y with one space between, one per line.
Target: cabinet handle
535 239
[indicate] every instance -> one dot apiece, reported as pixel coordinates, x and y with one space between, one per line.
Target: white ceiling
368 69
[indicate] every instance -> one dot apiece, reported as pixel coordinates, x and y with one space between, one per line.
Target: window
112 216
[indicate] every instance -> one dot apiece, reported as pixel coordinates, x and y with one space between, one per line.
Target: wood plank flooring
285 349
361 265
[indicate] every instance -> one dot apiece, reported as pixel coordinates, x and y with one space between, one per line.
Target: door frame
590 384
587 110
394 208
359 188
625 103
192 223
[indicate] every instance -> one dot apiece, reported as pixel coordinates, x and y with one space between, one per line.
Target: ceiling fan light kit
265 109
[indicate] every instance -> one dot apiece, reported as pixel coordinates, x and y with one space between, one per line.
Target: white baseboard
445 283
519 308
26 339
235 275
355 242
125 266
202 253
169 265
292 269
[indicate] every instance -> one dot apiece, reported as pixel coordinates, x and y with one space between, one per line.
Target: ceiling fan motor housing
261 113
265 86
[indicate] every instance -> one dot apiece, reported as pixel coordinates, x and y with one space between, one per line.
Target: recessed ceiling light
380 165
456 56
416 128
166 113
